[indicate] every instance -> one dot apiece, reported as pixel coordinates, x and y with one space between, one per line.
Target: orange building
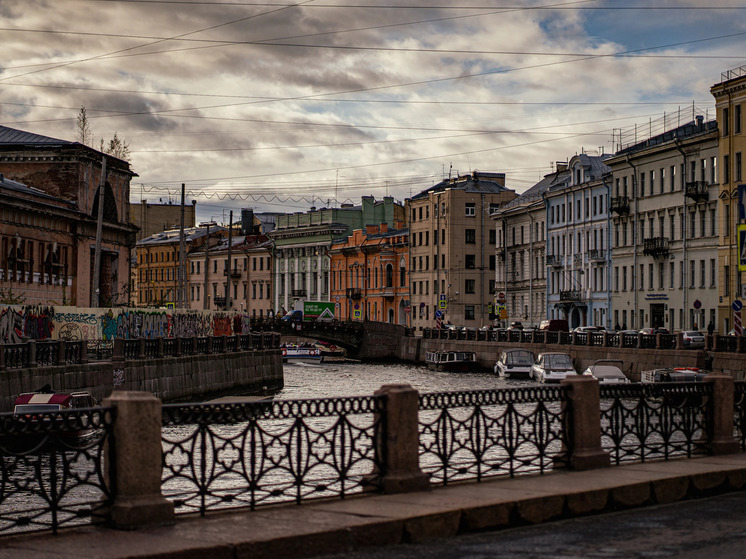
369 279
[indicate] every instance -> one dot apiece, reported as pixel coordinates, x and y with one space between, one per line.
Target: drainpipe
530 264
684 217
634 239
607 256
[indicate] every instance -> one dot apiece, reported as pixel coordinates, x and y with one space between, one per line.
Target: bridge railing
732 344
61 352
220 456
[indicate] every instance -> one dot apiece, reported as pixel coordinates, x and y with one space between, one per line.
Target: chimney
700 120
371 229
384 227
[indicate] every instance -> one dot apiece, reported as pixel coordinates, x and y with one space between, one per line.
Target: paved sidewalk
289 531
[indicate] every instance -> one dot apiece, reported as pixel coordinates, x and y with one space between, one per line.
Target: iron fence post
32 353
134 462
118 354
585 449
397 442
722 410
61 352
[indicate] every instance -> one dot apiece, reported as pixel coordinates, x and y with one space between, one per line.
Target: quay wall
635 360
170 378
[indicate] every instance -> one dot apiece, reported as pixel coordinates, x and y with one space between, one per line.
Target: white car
552 367
607 371
514 363
693 339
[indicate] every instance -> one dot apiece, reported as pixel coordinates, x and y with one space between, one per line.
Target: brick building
49 221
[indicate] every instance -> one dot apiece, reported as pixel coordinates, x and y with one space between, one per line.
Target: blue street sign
736 305
438 314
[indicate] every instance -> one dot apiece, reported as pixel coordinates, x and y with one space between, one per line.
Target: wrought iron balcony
555 260
619 204
298 293
597 255
571 295
235 273
697 191
219 301
578 257
657 247
353 293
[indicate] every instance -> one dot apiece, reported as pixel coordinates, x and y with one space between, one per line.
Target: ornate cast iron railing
487 433
739 413
53 470
641 422
243 455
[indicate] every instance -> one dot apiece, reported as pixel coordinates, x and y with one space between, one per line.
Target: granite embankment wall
635 360
169 378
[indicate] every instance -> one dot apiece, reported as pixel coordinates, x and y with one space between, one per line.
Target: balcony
597 255
657 247
388 292
697 191
555 260
619 204
235 273
219 301
298 293
353 293
578 258
572 295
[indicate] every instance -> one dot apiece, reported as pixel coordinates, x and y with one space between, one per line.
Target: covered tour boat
456 361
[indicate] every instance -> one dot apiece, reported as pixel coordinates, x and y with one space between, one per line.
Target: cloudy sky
277 106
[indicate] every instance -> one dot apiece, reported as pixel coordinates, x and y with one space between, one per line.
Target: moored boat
300 354
456 361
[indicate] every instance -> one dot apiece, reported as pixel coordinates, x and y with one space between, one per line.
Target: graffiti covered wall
23 323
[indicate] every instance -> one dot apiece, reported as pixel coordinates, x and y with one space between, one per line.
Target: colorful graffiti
19 324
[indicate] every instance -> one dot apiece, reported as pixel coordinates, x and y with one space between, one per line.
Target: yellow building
452 250
730 97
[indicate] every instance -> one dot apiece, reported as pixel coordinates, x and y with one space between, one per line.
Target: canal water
330 380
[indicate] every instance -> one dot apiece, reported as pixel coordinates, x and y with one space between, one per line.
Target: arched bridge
361 339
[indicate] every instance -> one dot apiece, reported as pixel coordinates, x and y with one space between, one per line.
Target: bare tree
84 133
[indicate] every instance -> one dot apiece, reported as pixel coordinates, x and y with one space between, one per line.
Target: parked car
587 329
650 331
554 325
552 367
693 339
515 326
514 363
607 371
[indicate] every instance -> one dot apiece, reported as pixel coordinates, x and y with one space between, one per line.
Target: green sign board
315 310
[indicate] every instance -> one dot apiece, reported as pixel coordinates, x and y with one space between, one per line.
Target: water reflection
362 379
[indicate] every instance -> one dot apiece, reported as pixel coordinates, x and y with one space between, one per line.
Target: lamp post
208 224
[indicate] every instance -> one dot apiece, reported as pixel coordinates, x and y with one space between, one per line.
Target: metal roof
476 182
536 192
11 136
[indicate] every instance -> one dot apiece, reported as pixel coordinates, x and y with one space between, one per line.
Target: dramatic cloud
272 105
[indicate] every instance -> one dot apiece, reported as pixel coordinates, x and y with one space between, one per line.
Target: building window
737 119
470 236
726 121
737 172
470 210
469 286
469 312
470 261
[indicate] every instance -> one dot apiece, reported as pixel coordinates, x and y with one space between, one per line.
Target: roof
172 235
476 182
688 130
11 136
536 192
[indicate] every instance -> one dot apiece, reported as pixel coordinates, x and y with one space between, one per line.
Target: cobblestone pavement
706 528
